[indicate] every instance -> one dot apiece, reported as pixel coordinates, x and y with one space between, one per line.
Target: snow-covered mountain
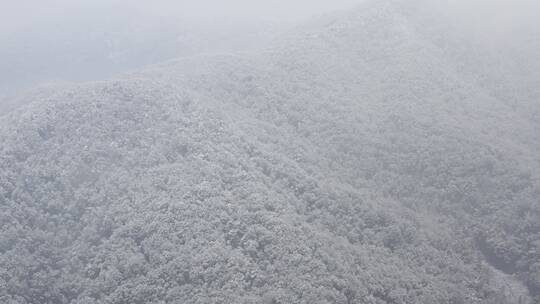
370 156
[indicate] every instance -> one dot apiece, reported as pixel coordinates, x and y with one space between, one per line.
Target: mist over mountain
58 41
72 47
383 154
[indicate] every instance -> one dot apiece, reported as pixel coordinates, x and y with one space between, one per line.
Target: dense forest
369 156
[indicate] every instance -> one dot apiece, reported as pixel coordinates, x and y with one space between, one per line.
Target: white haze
55 41
45 42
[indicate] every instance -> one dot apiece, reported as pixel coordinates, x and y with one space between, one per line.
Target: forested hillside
367 157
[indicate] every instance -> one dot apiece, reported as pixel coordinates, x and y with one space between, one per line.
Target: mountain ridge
331 171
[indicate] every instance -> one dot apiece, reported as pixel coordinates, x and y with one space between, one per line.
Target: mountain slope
353 163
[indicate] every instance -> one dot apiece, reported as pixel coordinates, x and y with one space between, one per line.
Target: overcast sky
44 41
23 15
48 41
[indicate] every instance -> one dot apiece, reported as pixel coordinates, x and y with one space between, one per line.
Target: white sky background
21 15
50 41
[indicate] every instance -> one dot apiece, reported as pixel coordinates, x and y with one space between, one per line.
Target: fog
29 13
57 41
46 42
